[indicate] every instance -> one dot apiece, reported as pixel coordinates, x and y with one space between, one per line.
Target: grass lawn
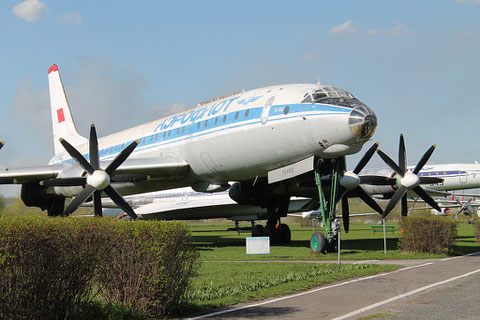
240 281
221 282
215 243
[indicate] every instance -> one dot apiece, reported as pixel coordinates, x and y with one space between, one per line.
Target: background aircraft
276 142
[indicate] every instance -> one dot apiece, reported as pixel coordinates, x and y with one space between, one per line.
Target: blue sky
415 63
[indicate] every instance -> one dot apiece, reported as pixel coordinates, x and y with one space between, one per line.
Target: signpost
258 245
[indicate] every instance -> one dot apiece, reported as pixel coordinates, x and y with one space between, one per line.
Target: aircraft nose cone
362 122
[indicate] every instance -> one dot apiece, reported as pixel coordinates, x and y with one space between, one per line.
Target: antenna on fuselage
318 80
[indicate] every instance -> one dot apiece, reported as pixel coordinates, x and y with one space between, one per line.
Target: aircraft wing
31 174
158 168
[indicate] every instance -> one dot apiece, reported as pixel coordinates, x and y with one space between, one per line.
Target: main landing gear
278 232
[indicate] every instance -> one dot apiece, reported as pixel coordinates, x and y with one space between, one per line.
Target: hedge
52 268
427 234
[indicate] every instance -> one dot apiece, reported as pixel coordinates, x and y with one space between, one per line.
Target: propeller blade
402 155
7 181
378 180
121 157
93 148
64 182
345 214
422 194
395 198
391 163
368 199
77 156
430 180
341 192
97 203
404 206
119 201
2 143
79 199
366 157
424 159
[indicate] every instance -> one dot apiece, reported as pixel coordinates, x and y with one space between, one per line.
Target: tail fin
62 121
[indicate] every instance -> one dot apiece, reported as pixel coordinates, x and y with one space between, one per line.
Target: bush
477 230
46 266
149 266
52 268
427 234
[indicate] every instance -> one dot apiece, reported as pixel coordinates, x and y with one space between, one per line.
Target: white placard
258 245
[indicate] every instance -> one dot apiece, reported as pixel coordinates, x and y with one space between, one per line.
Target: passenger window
164 134
286 110
169 132
183 129
224 118
216 120
206 123
198 126
247 112
236 116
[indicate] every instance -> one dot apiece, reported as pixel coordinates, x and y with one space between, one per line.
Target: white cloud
161 110
308 57
345 28
71 18
30 10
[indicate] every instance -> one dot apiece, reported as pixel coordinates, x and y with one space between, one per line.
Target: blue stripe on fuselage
244 117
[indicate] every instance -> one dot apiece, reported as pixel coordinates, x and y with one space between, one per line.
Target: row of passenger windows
168 133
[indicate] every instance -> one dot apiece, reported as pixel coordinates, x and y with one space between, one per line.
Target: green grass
241 281
216 244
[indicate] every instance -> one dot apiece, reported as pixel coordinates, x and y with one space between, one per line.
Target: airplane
276 142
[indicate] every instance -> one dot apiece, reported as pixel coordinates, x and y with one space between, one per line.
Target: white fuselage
239 137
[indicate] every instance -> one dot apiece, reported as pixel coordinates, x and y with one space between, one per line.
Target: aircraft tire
274 234
258 231
318 243
285 233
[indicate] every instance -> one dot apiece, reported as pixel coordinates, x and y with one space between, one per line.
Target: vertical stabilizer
62 121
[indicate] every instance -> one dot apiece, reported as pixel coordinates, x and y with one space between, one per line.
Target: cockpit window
332 95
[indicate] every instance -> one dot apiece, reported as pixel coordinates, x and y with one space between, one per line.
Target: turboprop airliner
275 142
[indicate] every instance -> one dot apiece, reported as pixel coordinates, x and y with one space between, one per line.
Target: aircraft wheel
273 233
258 231
285 233
318 243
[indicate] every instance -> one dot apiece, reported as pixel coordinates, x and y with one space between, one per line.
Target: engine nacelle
444 212
247 193
70 171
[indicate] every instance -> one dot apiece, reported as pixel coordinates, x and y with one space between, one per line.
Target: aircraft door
266 110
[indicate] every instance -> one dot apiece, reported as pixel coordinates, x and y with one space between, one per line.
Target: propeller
350 186
97 179
408 180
